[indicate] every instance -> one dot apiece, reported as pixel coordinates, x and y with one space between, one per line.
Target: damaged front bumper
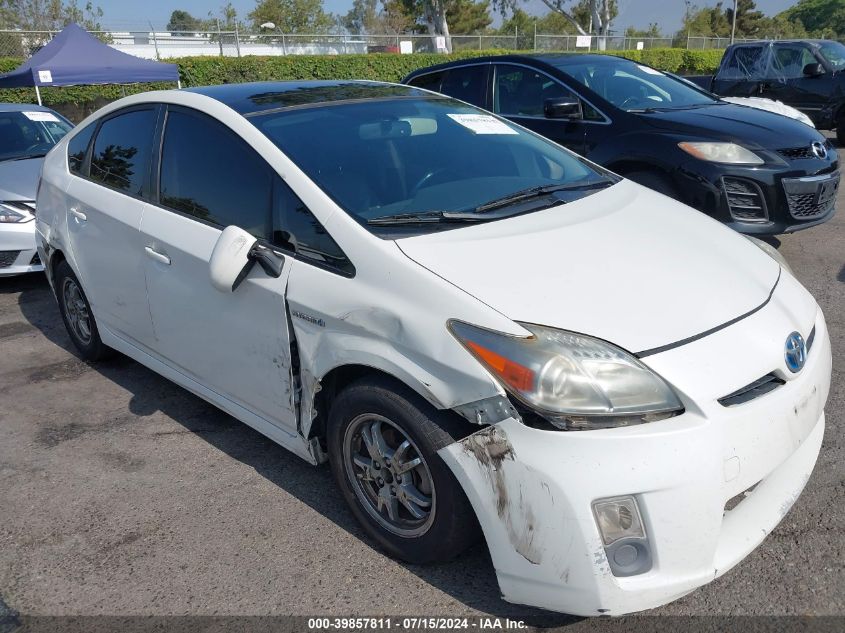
533 489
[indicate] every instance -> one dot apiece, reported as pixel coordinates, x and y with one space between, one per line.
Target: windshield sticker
650 71
482 123
41 116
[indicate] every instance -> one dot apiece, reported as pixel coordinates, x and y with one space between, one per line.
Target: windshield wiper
538 192
425 217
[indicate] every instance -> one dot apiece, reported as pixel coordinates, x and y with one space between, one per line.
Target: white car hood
625 264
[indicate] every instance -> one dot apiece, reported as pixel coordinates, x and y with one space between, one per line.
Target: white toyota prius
474 326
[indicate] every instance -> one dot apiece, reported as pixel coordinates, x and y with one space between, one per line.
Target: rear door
237 343
106 196
742 71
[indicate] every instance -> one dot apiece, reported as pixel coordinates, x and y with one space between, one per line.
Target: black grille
749 392
745 199
810 197
797 152
810 339
804 205
7 258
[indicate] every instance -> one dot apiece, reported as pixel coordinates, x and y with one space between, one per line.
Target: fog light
617 518
623 533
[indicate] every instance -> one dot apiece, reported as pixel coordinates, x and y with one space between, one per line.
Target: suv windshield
633 87
833 52
29 134
427 161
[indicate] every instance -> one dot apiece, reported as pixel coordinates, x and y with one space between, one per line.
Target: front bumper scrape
532 492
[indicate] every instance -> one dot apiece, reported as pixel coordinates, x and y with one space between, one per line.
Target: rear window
120 159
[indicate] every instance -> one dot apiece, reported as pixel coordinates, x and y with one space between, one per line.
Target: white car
27 133
473 325
771 105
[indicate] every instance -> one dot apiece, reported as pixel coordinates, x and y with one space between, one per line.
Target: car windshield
833 52
29 134
427 159
633 87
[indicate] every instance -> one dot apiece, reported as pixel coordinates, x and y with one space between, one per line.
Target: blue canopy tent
75 57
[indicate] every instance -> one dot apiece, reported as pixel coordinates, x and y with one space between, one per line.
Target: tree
376 17
182 23
821 18
291 16
49 15
748 19
585 16
706 21
468 17
652 31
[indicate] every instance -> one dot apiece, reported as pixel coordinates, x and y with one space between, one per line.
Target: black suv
805 74
758 172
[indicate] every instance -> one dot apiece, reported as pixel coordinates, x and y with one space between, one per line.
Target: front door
236 343
788 83
106 200
519 93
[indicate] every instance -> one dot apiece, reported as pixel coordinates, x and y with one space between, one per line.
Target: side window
122 150
431 81
789 61
296 229
467 84
211 174
746 62
77 148
521 91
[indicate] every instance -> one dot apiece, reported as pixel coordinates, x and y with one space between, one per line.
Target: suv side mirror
813 70
562 108
234 254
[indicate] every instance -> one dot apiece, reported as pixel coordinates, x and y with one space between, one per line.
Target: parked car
473 325
757 172
27 133
804 74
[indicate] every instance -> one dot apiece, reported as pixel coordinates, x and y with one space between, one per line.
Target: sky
129 14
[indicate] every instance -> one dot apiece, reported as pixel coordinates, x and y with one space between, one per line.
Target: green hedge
197 71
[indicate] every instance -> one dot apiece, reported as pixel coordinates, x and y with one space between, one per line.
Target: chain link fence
164 44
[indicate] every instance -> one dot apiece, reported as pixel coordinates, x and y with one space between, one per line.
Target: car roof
814 42
257 97
22 107
541 60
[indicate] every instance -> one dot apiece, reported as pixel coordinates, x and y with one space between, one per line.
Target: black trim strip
695 337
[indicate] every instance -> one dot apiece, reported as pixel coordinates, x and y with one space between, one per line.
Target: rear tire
377 429
77 315
654 180
840 132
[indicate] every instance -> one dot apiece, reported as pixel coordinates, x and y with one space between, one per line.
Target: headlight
9 215
730 153
771 251
575 382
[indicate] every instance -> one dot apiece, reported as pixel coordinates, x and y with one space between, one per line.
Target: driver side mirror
813 70
568 107
234 255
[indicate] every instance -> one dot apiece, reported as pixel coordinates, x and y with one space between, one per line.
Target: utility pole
733 23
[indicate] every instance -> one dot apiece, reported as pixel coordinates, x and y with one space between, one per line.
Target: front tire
77 315
383 441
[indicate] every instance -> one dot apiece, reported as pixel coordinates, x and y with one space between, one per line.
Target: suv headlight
729 153
575 382
771 251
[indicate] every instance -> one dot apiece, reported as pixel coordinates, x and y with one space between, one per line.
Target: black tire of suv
840 131
93 349
454 527
654 180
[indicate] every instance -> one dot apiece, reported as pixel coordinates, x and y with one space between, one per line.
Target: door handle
159 257
78 214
